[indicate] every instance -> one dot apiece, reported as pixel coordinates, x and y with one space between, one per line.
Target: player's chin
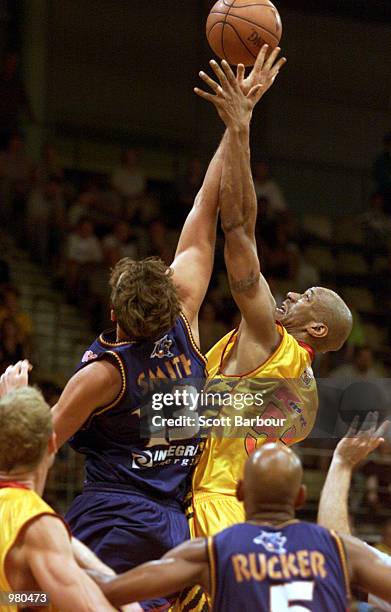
280 315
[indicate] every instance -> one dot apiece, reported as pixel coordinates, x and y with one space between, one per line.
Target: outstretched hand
235 98
359 443
14 377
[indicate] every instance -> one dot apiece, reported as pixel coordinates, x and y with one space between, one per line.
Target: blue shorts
125 529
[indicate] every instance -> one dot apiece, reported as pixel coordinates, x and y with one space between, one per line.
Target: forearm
87 560
333 506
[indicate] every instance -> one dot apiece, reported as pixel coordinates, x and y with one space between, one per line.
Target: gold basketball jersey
284 408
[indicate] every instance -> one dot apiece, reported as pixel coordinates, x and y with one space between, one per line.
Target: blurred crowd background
89 174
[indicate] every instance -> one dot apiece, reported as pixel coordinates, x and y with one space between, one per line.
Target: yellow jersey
18 506
284 407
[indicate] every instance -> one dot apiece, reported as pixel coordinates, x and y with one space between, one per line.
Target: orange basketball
237 29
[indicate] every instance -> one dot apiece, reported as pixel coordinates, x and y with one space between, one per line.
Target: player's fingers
210 82
219 73
272 58
259 62
370 423
24 369
240 71
277 67
383 429
255 92
205 95
229 74
352 431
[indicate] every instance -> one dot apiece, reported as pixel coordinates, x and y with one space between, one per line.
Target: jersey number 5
282 595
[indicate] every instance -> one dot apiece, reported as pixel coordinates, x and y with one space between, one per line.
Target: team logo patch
162 348
142 460
272 542
307 377
88 356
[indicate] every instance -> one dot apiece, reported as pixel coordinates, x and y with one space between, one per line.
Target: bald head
272 478
319 317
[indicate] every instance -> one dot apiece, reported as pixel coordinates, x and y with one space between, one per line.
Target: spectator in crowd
161 242
81 208
10 308
280 255
382 172
266 187
378 482
45 219
50 165
187 187
385 544
211 328
306 274
15 179
119 244
83 253
13 99
11 347
128 178
362 367
376 223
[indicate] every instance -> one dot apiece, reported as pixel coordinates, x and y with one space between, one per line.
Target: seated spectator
15 179
118 244
81 208
362 367
281 256
266 187
160 241
50 164
127 178
306 274
385 544
11 347
378 481
10 308
376 223
83 252
382 172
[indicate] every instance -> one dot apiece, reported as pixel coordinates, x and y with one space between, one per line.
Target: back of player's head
143 297
272 479
331 311
25 428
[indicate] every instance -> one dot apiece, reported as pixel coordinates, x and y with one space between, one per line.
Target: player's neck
33 480
271 517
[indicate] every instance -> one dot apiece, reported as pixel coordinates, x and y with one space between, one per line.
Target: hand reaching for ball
264 71
14 377
235 98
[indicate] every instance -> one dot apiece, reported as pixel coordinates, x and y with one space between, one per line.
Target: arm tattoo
239 286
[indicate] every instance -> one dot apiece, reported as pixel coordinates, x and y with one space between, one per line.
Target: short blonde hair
25 428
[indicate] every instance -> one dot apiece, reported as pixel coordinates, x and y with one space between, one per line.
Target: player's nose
293 297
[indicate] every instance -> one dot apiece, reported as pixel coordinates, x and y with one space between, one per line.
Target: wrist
342 463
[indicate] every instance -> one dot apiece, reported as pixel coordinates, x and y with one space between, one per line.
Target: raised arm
333 510
370 571
181 567
237 196
194 257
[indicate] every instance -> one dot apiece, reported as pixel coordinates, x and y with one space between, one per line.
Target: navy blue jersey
120 442
297 566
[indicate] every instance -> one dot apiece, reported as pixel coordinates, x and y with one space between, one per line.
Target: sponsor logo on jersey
162 348
273 542
179 454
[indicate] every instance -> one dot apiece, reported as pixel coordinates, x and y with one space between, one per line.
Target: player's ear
240 491
317 330
301 496
112 316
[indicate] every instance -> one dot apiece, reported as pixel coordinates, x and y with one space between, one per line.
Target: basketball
237 29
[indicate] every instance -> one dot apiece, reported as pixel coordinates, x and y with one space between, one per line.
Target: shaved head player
270 353
270 563
131 508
